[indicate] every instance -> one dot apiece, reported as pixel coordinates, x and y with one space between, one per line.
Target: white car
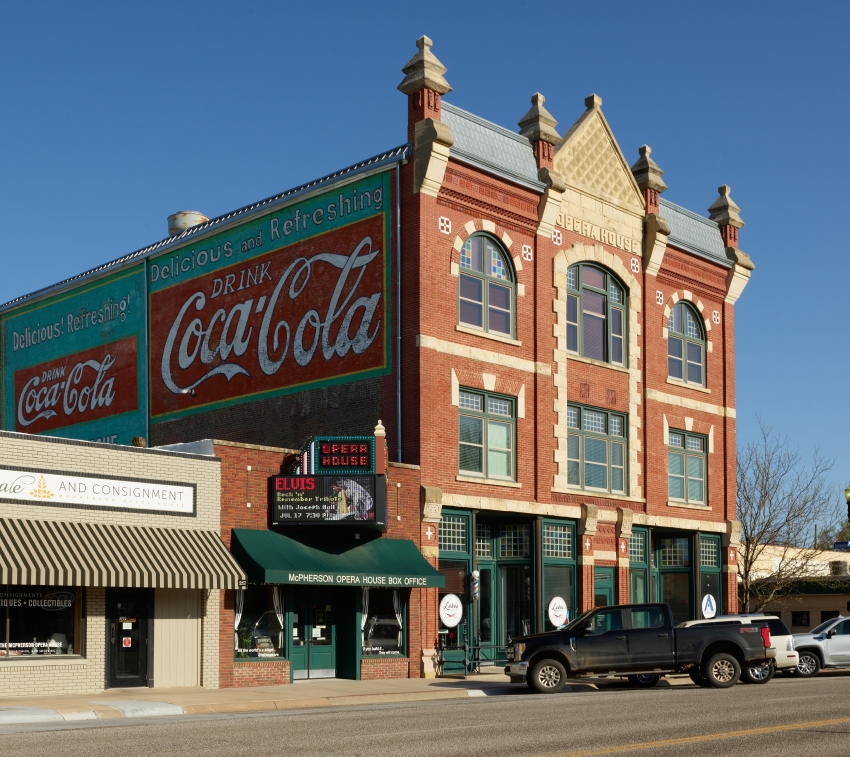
781 639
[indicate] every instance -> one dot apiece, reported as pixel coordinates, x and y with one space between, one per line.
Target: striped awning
56 553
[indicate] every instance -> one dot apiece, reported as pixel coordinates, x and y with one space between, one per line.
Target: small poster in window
126 641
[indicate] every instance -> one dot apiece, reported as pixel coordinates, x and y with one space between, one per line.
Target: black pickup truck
638 642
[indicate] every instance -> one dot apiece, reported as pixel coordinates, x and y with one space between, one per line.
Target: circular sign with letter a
451 610
709 606
558 612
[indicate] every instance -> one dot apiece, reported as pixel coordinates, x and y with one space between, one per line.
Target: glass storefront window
259 623
557 582
383 622
41 620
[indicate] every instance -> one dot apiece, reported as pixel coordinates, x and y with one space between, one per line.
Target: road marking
696 739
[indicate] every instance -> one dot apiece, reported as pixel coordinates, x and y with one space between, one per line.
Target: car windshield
823 626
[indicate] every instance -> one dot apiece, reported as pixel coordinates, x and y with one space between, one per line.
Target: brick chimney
726 214
424 85
538 127
648 177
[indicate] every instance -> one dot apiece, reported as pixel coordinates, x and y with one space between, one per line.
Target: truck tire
548 677
698 678
809 664
758 673
722 671
644 681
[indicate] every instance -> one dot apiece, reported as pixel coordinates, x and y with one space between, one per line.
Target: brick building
548 341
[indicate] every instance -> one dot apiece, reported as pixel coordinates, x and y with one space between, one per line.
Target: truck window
607 620
652 617
778 628
842 629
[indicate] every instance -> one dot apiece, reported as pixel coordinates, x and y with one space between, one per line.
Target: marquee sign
73 364
31 486
339 454
293 300
343 499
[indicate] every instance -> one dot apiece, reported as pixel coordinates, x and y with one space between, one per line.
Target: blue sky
116 115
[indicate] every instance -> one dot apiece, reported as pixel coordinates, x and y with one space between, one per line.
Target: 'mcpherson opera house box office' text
539 344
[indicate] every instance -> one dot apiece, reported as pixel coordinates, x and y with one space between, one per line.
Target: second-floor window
486 293
486 435
685 346
686 464
596 449
596 314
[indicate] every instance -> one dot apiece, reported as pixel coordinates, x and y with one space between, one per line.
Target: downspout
147 362
398 303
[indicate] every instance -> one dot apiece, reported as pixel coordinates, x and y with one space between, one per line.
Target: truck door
838 647
604 647
650 639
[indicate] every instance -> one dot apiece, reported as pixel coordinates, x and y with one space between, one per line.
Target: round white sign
451 610
709 606
558 612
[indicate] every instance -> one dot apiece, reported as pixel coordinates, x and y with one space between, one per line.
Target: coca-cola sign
81 387
312 311
73 363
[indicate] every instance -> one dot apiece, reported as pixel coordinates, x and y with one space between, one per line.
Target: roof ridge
484 122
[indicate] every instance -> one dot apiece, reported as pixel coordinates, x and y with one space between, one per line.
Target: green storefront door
603 587
313 635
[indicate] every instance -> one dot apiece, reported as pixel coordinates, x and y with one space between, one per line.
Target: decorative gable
589 159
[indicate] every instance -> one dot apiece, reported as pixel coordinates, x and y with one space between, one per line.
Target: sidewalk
139 702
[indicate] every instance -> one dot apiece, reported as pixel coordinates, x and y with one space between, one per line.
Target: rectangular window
40 620
637 547
557 583
709 554
483 541
557 541
675 553
674 359
596 449
801 619
451 535
486 432
686 465
259 622
572 322
826 615
383 630
515 540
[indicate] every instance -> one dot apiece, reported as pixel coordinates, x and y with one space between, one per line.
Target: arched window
486 287
685 345
596 314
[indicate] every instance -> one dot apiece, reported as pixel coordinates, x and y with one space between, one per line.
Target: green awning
272 558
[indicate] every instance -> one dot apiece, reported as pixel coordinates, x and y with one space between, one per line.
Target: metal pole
398 303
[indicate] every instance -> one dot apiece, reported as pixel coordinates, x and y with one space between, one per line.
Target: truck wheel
644 681
809 665
757 673
698 678
722 671
548 677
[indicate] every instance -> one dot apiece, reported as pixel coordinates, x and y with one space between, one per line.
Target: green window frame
686 347
558 557
639 586
486 435
710 570
597 311
597 450
486 287
687 465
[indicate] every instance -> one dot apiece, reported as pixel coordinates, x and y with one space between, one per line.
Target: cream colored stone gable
590 159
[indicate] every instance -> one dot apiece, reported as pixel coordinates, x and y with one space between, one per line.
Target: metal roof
492 147
695 234
390 156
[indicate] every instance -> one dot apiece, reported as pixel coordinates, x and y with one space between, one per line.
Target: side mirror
588 628
830 634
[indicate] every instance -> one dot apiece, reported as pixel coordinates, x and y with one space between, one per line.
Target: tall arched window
486 287
685 345
596 314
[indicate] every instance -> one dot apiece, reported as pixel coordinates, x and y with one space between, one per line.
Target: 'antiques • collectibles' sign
73 363
340 499
27 486
293 300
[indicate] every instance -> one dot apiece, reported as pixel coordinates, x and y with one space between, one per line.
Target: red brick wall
375 668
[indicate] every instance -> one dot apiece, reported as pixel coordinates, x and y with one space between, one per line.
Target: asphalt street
786 716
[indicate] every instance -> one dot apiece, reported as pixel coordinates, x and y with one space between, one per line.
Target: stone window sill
601 364
26 661
686 385
600 494
488 335
489 481
688 507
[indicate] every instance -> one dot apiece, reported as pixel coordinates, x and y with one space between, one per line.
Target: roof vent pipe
184 219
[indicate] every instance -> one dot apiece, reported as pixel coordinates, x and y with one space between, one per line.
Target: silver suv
826 646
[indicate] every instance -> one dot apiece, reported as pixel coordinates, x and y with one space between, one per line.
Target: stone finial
646 171
592 101
538 124
380 430
723 211
424 71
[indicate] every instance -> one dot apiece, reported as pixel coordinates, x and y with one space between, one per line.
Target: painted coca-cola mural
73 364
295 299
